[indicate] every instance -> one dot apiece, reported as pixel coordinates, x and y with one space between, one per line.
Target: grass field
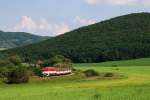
135 85
136 62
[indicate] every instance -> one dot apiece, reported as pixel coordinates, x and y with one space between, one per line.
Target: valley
108 60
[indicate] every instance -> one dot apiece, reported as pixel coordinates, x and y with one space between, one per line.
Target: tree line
14 70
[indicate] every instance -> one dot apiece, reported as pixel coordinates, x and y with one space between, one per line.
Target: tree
67 63
17 75
3 72
37 71
16 60
12 70
5 67
58 61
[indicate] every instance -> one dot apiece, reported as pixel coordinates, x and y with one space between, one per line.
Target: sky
55 17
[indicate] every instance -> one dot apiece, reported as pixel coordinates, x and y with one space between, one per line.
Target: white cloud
119 2
83 21
62 28
41 27
26 23
45 28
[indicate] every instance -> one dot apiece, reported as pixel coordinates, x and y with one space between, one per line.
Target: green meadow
134 85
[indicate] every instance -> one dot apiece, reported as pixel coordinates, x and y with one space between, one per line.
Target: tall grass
112 93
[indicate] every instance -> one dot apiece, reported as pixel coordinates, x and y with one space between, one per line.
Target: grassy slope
134 87
136 62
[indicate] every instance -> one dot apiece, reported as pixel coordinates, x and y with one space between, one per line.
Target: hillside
15 39
123 37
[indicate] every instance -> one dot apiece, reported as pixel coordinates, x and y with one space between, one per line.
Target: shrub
73 69
90 73
76 71
17 75
37 71
108 74
114 65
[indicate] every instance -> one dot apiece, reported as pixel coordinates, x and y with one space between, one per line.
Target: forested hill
15 39
123 37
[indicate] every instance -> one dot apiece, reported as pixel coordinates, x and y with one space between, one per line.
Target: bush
76 71
91 73
17 75
37 71
108 74
114 65
73 69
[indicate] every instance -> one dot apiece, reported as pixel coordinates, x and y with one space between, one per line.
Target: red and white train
48 71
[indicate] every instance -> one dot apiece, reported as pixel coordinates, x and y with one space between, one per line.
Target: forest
123 37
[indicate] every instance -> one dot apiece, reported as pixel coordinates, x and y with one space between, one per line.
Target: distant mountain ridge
15 39
119 38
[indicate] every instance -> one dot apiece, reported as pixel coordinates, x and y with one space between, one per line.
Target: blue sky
54 17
